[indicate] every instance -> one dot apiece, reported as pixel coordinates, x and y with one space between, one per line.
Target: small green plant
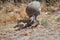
44 21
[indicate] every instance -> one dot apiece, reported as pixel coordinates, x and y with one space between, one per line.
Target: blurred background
13 10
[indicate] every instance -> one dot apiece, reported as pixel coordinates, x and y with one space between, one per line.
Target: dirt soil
48 29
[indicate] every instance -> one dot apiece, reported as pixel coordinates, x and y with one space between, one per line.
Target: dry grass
11 13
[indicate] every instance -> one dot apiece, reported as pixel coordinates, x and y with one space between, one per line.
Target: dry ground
49 28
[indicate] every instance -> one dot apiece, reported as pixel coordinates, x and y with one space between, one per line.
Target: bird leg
34 22
31 22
